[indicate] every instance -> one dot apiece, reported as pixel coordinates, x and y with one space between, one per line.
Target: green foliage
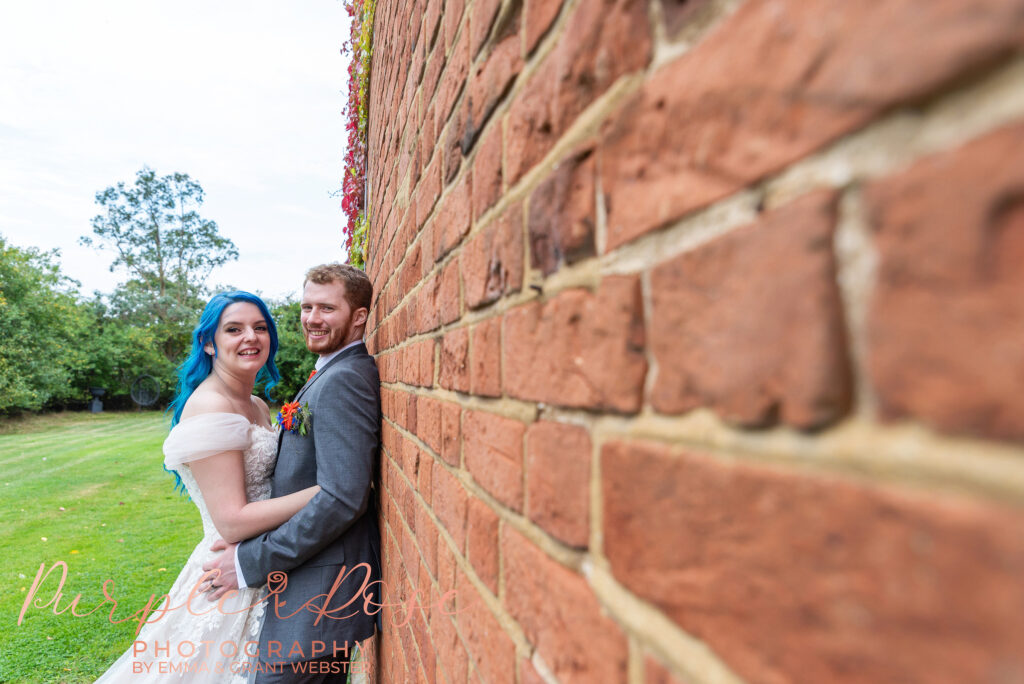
167 249
116 351
41 323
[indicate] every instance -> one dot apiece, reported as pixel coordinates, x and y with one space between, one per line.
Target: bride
222 449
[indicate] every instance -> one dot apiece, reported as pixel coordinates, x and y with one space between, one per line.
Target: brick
491 649
528 674
757 343
486 181
579 332
491 80
480 21
449 503
485 360
451 433
425 352
538 17
789 575
776 81
656 673
427 656
426 535
427 309
452 656
947 316
424 478
410 460
449 295
558 480
455 144
431 77
680 14
412 401
454 374
482 542
451 18
602 40
453 218
430 23
454 76
492 261
428 422
530 124
493 450
562 214
428 190
560 615
412 271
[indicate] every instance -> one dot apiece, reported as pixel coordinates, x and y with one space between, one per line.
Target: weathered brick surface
449 503
555 326
560 615
482 542
579 332
487 171
492 261
947 316
906 587
563 215
775 82
493 449
603 40
485 361
558 479
539 16
453 218
758 343
490 80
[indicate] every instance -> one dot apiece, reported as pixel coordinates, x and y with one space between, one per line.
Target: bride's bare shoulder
206 401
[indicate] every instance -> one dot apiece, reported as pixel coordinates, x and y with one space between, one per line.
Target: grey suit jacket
338 527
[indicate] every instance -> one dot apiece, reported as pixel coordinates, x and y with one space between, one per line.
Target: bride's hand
219 545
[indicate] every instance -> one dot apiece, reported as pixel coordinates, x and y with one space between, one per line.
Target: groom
337 530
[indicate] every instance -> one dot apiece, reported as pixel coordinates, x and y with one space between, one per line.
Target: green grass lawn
88 490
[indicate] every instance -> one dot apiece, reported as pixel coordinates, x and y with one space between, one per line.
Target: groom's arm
346 424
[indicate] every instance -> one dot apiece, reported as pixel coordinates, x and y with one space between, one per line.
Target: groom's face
326 317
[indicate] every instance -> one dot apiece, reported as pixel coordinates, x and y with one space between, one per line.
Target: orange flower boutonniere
295 417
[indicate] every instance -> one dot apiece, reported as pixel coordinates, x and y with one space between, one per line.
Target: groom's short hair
358 288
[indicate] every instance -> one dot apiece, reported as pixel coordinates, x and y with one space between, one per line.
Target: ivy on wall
354 202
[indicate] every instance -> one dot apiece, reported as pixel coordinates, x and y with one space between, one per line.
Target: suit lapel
351 351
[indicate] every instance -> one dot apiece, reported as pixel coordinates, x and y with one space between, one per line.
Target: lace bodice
260 456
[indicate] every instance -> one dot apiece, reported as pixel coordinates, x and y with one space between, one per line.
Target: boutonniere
294 417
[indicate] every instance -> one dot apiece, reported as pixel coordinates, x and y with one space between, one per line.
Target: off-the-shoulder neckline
227 413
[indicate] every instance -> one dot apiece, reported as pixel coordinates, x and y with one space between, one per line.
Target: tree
42 325
167 249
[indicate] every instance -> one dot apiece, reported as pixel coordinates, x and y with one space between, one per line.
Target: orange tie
311 374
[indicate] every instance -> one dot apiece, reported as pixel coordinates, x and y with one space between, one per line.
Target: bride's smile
242 340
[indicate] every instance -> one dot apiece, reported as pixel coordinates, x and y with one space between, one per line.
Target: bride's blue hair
198 365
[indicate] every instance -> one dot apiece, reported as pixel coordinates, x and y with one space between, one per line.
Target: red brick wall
701 329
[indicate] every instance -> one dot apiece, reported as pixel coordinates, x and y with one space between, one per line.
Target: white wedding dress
205 644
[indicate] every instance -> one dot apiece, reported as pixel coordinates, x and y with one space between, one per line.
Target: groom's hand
225 562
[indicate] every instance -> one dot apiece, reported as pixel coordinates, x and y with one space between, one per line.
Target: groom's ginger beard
328 322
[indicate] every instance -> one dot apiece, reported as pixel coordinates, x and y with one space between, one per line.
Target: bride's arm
221 479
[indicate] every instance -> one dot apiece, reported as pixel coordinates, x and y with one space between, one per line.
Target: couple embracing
295 504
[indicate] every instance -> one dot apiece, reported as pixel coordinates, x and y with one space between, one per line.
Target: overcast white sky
245 96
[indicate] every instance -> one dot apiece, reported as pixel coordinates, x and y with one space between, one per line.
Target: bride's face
242 339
